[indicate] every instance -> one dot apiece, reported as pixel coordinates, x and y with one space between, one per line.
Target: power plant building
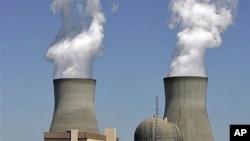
185 117
74 116
157 129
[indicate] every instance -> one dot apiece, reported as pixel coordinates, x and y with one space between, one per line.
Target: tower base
73 135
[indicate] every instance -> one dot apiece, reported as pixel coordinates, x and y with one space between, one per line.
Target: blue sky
137 52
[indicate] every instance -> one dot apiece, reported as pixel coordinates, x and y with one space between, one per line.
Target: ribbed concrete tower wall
74 105
186 107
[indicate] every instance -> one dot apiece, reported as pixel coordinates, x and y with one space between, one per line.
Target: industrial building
185 117
74 116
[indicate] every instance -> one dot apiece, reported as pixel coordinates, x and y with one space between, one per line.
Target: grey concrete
186 107
74 105
153 129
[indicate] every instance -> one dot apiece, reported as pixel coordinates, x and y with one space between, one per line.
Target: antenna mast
156 125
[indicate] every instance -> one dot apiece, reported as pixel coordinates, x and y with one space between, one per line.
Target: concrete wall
56 139
73 135
93 140
186 107
74 106
56 136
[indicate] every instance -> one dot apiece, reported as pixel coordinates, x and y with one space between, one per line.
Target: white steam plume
77 43
115 6
201 24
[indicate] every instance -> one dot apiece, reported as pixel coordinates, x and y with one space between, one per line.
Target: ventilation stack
186 107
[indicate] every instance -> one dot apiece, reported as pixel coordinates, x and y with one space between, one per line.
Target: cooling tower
74 105
186 107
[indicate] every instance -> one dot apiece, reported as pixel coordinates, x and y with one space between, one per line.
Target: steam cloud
79 40
115 6
201 24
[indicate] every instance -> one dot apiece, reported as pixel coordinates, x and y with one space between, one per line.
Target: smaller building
74 135
157 129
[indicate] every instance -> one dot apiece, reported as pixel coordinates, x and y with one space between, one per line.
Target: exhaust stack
74 105
186 107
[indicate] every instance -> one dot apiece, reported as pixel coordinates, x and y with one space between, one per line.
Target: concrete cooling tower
185 113
186 107
74 116
74 105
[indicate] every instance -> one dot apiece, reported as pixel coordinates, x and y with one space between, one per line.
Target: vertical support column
73 135
110 134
